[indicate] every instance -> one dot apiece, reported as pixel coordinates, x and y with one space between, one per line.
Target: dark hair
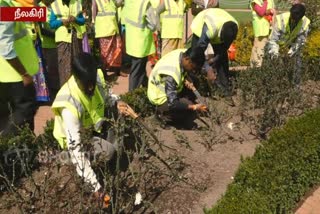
297 11
229 32
84 68
196 55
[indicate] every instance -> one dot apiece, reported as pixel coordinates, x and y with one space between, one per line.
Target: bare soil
210 161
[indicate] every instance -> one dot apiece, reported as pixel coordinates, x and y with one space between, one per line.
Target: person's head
297 11
229 33
193 60
84 70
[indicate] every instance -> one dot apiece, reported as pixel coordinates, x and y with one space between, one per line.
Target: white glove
291 53
274 54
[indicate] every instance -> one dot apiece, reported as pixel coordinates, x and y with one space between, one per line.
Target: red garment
111 51
261 10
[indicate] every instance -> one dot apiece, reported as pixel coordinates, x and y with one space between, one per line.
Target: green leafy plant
281 171
139 101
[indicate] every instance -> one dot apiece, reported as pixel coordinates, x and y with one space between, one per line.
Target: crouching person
175 103
80 103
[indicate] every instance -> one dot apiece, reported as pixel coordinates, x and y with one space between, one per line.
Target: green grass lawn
242 17
244 4
234 4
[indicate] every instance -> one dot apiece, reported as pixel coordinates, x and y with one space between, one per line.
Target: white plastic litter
138 199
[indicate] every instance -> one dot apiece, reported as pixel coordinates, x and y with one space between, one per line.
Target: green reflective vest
261 26
90 111
168 65
46 41
172 19
63 34
139 39
287 36
24 49
106 19
214 18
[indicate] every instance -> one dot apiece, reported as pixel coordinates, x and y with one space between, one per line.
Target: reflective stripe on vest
90 111
63 34
106 13
25 51
106 21
140 23
214 18
261 26
140 41
69 98
156 82
288 37
169 65
172 20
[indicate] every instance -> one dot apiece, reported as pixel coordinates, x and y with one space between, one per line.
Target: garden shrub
139 101
281 171
17 157
243 43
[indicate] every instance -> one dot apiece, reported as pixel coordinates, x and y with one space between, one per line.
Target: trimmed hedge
281 171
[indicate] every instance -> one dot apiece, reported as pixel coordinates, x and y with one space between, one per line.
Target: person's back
18 62
214 18
140 21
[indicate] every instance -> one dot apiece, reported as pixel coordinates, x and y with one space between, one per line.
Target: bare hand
72 19
189 85
200 107
65 22
27 80
122 108
211 75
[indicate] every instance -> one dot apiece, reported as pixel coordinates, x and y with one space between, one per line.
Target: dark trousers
298 68
17 107
221 64
178 117
138 75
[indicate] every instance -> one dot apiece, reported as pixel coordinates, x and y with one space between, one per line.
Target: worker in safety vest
107 33
290 32
49 51
65 16
18 63
140 20
172 15
219 28
174 101
262 14
80 103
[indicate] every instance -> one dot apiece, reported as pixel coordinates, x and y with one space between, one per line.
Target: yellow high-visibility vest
90 111
139 39
63 34
172 19
46 41
168 65
24 49
288 37
261 26
106 20
214 19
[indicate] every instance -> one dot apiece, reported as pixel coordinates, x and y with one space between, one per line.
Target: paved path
311 205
